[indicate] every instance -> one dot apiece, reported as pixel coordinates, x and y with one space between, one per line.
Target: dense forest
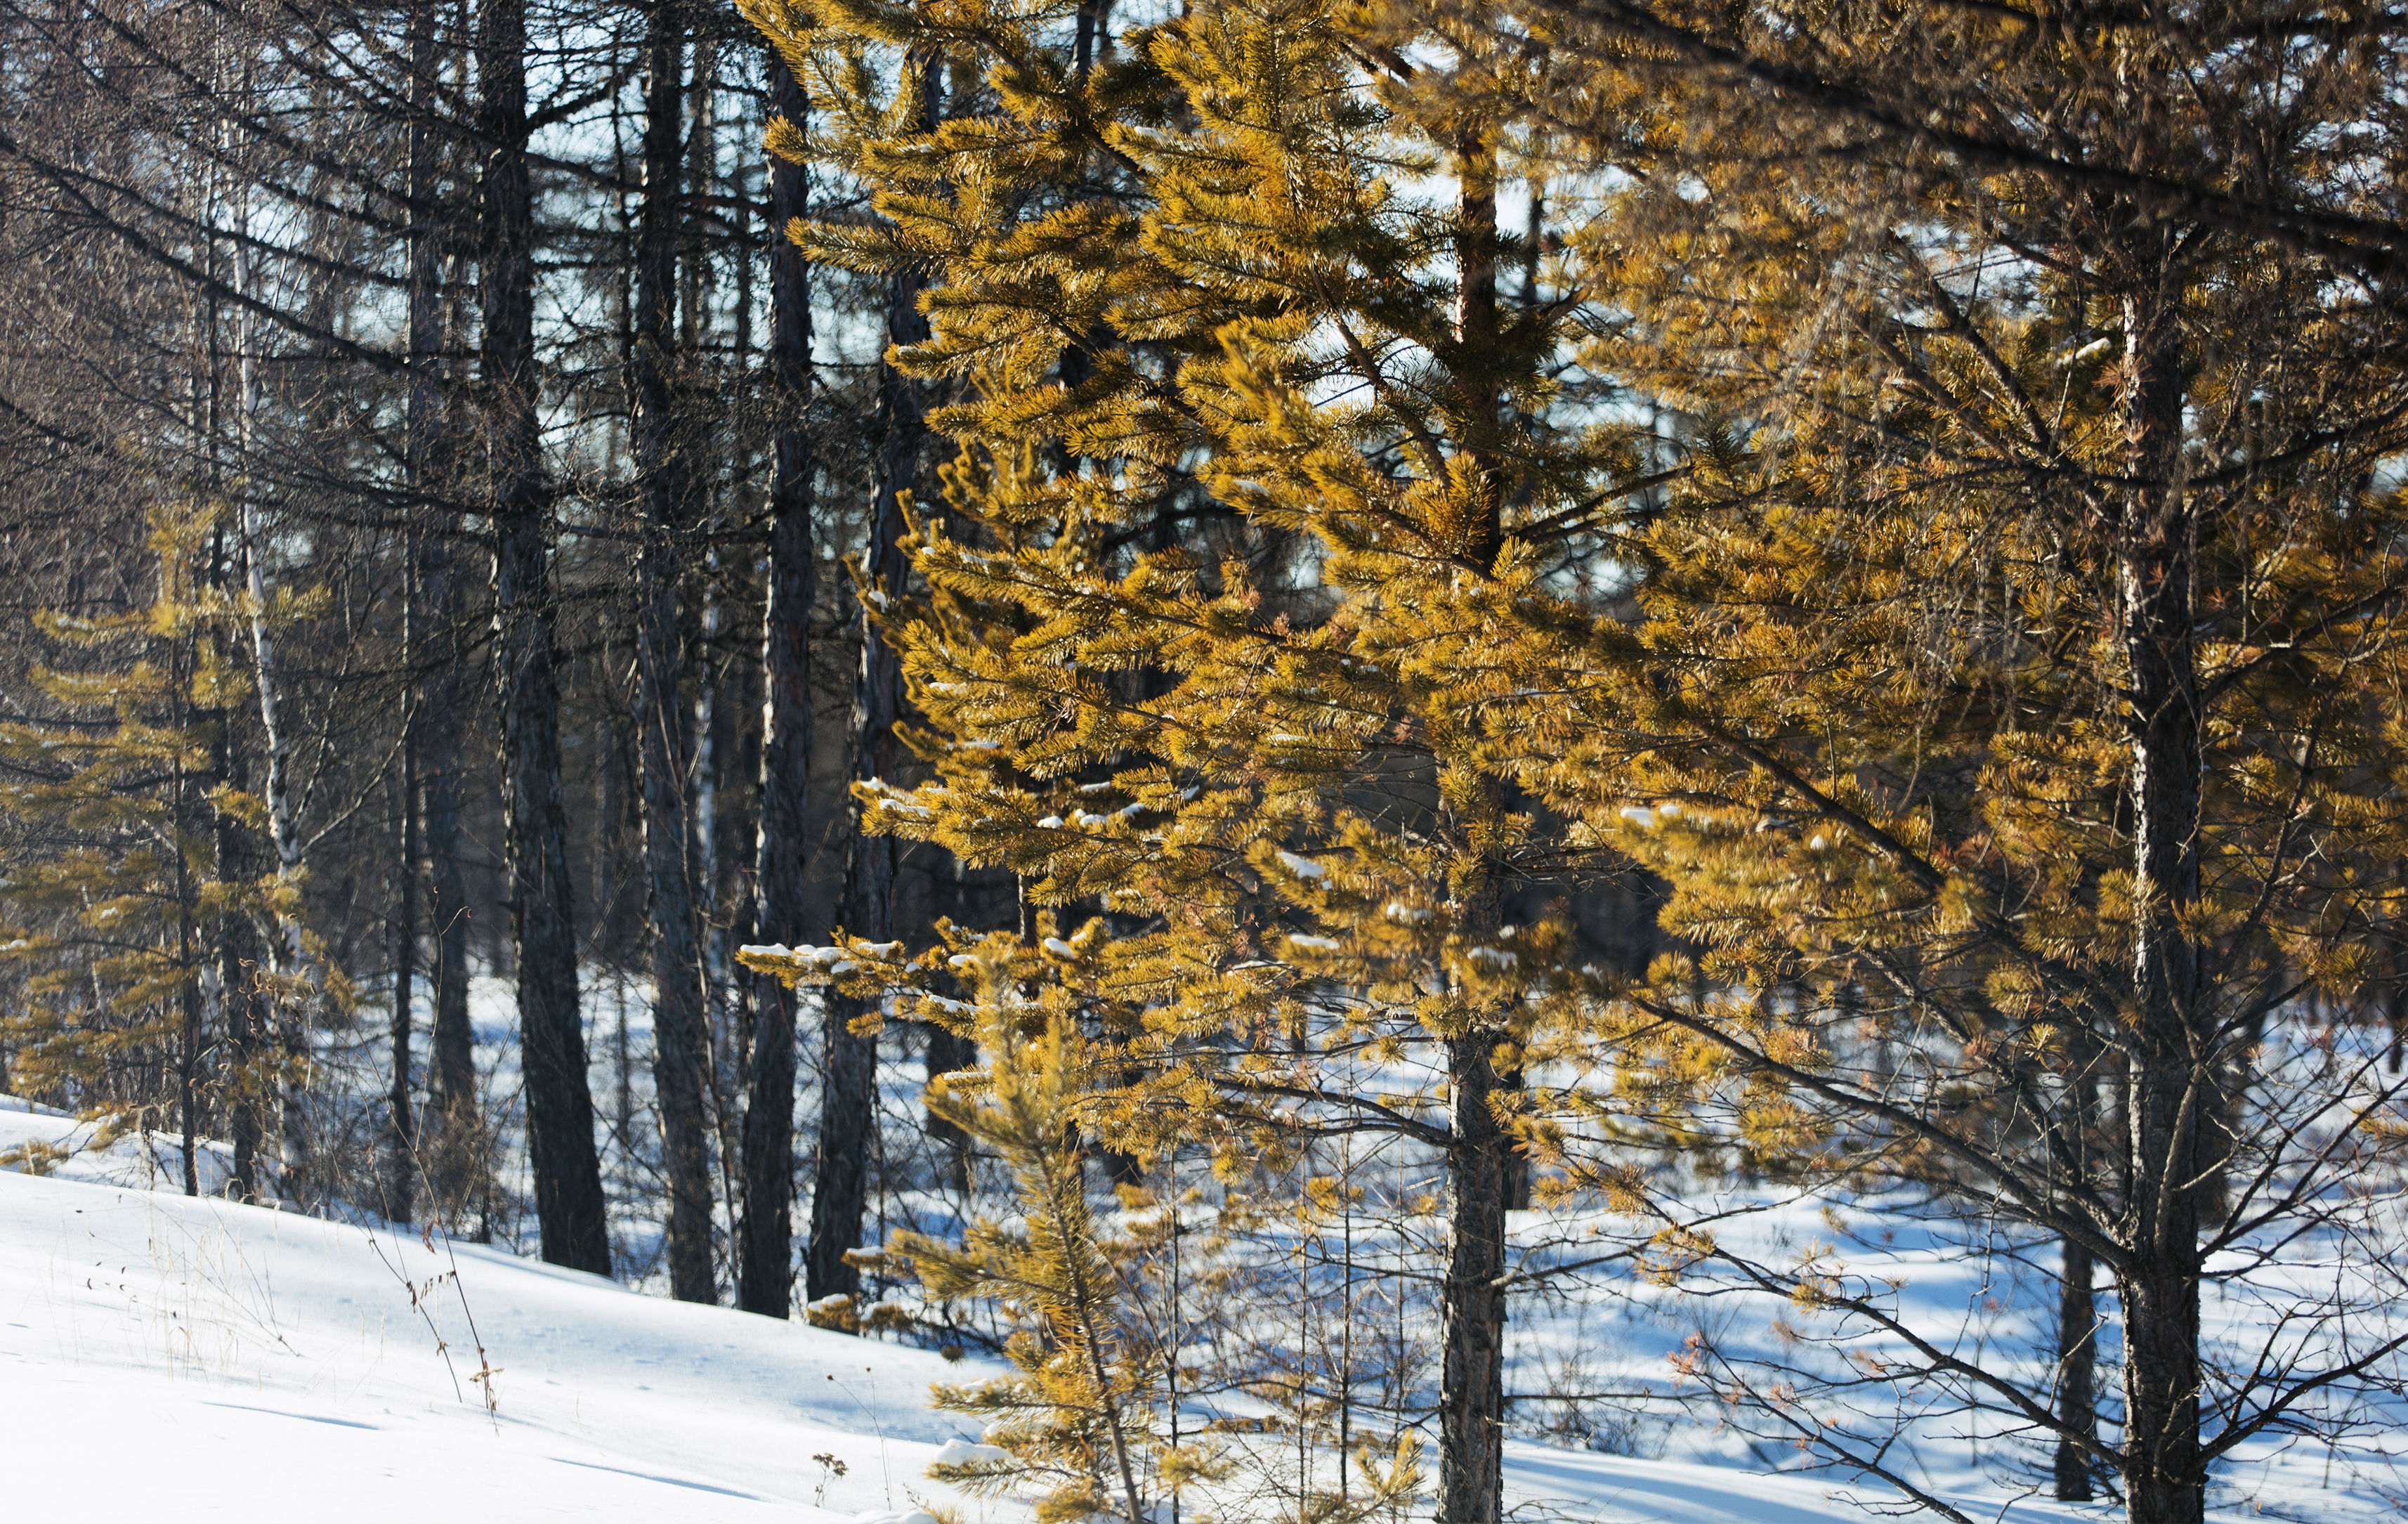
1228 699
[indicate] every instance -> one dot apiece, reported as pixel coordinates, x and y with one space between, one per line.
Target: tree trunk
2171 1066
421 452
680 1039
559 1103
188 1064
847 1110
290 953
2072 1139
780 885
455 1150
1471 1300
2077 1362
840 1181
718 806
246 1029
1517 1163
723 923
401 1164
1481 1157
247 1024
1475 531
735 761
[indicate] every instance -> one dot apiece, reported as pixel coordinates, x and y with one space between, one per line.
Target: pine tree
1997 682
122 911
2011 695
1079 1421
1090 1423
1196 275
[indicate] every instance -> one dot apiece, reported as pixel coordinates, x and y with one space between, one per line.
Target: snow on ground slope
208 1360
221 1361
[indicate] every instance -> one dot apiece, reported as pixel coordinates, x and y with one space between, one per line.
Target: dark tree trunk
551 1035
765 1271
680 1032
1481 1157
2170 1063
247 1021
401 1163
2071 1143
188 1105
1472 1301
840 1197
847 1110
2077 1363
422 455
246 1034
455 1150
780 885
1120 1169
1475 531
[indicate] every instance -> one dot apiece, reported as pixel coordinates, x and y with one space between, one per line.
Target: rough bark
840 1180
847 1116
681 1035
559 1101
2164 1477
1482 1160
289 950
1471 1301
1474 364
781 884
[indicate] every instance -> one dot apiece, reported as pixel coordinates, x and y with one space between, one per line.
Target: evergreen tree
1998 682
1091 1422
1081 1420
125 898
1199 274
2009 714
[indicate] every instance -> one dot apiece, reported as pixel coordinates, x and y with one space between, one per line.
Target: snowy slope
234 1361
228 1362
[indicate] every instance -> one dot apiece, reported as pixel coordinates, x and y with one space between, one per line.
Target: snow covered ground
220 1361
208 1360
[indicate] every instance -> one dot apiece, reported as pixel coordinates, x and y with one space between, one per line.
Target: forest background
1470 643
